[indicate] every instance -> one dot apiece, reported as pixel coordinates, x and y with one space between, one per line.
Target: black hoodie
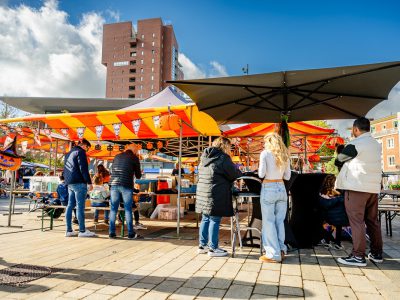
214 188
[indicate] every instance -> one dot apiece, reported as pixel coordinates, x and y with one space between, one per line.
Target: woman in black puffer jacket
214 193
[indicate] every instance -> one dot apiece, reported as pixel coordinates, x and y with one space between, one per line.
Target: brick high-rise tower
139 63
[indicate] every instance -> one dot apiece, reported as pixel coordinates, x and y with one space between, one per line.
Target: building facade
139 63
386 132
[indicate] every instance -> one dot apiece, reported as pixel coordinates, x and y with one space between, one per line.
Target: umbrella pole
179 182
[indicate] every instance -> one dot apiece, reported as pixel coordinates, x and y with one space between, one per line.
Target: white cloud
189 68
218 70
42 54
195 71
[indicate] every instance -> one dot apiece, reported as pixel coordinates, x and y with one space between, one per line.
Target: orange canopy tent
249 137
119 124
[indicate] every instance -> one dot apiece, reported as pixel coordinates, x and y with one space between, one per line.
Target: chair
235 220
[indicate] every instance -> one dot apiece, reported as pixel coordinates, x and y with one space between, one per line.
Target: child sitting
62 194
333 212
99 197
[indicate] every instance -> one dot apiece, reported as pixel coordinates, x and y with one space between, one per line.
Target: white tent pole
10 207
55 159
179 182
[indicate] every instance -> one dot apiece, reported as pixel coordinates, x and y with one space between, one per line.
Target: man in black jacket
77 178
125 167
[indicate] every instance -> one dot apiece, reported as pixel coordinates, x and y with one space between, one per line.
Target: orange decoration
314 158
170 122
9 162
334 142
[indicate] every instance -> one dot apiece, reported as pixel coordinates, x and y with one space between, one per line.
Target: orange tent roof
250 136
69 124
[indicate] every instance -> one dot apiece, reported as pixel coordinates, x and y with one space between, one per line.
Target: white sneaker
87 233
71 233
139 226
217 252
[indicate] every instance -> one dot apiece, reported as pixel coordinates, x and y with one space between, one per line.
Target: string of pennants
65 132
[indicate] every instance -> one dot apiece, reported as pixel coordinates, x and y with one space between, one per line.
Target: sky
216 38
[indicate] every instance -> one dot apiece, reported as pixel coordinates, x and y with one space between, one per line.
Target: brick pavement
100 268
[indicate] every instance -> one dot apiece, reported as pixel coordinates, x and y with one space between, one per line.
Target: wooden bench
390 210
121 212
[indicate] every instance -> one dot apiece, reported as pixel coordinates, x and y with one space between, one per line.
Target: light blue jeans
76 197
209 231
273 208
119 192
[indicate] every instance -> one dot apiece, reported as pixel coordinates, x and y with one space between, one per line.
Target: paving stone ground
100 268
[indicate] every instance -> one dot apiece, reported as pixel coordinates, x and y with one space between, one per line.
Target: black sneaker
112 236
352 260
134 236
377 258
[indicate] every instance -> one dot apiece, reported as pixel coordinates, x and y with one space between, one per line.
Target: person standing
77 178
360 177
214 193
125 167
274 166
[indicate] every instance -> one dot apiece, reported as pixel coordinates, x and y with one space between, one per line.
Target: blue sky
268 35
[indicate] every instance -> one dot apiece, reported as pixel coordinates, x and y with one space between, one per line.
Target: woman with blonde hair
274 166
214 193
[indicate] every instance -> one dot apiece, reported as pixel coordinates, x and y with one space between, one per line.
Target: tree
7 111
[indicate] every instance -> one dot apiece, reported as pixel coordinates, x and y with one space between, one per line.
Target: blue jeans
118 192
76 197
97 212
273 208
209 231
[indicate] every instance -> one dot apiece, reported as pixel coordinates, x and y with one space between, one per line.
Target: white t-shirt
268 169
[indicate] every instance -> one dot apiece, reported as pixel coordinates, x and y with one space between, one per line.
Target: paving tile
315 290
142 287
219 283
96 296
249 267
154 295
238 292
338 280
211 294
368 296
246 278
311 272
360 284
268 276
78 293
261 297
185 294
168 286
290 281
340 292
129 294
49 295
291 291
290 269
111 290
266 288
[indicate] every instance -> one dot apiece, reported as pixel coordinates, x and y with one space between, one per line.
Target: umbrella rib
305 96
236 100
347 75
329 105
259 107
246 109
319 102
339 94
263 98
222 84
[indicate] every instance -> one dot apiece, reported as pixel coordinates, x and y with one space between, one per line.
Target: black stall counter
305 220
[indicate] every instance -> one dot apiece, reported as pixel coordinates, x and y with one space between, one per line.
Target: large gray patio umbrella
321 94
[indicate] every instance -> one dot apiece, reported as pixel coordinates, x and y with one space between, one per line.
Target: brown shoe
282 255
268 260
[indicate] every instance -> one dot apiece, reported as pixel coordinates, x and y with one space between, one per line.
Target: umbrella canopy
321 94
